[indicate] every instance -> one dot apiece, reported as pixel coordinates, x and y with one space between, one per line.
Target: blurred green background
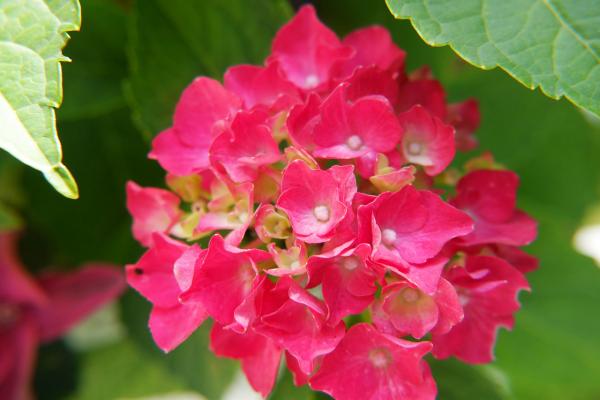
130 62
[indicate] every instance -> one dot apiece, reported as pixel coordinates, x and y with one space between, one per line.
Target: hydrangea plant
312 212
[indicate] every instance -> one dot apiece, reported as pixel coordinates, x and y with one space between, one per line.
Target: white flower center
321 213
311 81
410 295
350 263
463 297
295 264
388 236
380 358
354 142
414 148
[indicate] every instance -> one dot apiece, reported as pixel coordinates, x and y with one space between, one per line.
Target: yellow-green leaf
32 35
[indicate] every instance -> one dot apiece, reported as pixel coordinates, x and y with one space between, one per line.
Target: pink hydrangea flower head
244 147
370 365
307 50
405 310
487 289
153 210
327 172
427 141
183 149
489 196
312 199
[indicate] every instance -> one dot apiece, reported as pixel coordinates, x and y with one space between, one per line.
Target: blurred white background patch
587 241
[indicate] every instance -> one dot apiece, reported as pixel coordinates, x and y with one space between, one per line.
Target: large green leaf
32 34
173 41
553 44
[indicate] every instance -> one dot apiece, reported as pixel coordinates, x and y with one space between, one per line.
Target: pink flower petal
172 326
427 141
74 295
487 288
153 211
370 365
307 50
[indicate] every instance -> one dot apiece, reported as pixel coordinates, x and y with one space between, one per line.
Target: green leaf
173 41
123 371
9 220
192 361
284 389
484 381
32 36
553 44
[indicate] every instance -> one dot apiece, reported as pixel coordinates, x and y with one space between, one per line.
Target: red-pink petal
172 326
370 365
465 119
307 50
427 141
204 102
177 157
373 46
413 225
224 279
16 285
427 93
349 131
17 359
153 277
74 295
153 210
259 355
261 86
490 197
487 288
297 323
246 146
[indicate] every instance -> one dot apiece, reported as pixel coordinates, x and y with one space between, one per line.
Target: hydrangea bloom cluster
338 238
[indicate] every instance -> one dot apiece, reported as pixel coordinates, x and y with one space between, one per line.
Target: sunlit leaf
32 36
